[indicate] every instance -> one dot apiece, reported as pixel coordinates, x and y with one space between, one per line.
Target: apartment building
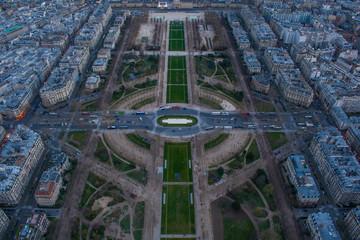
352 223
112 37
101 15
260 82
89 35
59 162
48 189
294 88
252 63
76 56
102 60
34 228
322 227
59 87
4 223
251 17
26 68
93 82
19 157
263 36
337 165
300 176
353 135
277 58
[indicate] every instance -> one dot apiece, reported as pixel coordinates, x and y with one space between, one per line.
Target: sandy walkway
233 144
127 149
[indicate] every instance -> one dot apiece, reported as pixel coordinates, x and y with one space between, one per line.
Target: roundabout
177 121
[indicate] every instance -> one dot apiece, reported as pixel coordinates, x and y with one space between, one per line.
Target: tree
220 171
261 180
250 157
268 189
270 235
236 205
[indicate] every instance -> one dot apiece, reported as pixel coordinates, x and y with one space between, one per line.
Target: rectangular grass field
176 34
177 94
177 214
177 77
176 25
178 162
176 45
176 62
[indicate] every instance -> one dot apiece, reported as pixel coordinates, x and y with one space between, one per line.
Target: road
105 121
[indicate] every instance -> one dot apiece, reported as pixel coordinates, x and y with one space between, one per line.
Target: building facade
337 166
353 135
352 223
252 63
260 82
322 227
59 87
34 228
300 176
19 157
76 56
4 223
294 88
277 58
48 189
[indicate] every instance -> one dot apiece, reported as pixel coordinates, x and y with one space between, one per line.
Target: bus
216 113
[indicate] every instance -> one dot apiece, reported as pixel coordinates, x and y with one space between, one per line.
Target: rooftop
325 226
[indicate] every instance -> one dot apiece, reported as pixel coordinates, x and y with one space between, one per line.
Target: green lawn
140 176
177 77
176 34
176 62
78 137
117 95
84 230
138 141
176 25
210 103
143 67
89 106
120 164
204 66
262 182
216 141
125 224
247 193
95 180
177 156
240 229
138 222
263 106
137 234
88 191
238 161
142 103
177 94
252 153
264 225
260 213
276 139
102 153
176 45
177 215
